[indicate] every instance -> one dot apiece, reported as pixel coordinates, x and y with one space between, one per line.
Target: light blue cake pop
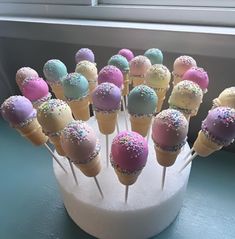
120 62
155 55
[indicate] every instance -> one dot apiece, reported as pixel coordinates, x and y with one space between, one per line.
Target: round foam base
148 211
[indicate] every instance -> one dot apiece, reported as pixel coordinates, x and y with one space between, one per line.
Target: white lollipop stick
163 177
73 171
124 111
148 135
107 150
99 188
187 155
117 125
188 162
126 193
54 156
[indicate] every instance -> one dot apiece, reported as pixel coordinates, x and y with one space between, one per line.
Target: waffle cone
55 140
125 90
137 80
33 132
140 124
92 168
80 108
161 94
203 146
106 121
127 179
166 158
58 91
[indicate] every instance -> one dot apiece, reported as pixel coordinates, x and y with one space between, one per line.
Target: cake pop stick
129 152
82 147
21 115
124 112
55 71
73 171
169 132
76 92
107 149
142 103
36 90
217 130
186 97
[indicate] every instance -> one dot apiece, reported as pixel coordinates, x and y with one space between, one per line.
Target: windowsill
200 40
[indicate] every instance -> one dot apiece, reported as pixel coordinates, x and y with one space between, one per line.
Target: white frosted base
149 210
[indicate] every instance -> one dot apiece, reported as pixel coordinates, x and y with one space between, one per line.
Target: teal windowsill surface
31 206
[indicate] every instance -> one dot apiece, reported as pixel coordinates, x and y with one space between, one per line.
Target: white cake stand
149 210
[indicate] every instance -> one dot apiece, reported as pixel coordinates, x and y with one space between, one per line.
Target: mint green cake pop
155 55
120 62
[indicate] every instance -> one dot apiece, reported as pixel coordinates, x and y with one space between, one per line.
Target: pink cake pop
36 90
81 145
111 74
126 53
198 76
129 152
23 73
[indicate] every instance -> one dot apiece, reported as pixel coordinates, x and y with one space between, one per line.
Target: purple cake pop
126 53
111 74
84 54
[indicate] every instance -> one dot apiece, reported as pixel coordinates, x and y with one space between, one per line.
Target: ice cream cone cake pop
158 78
217 130
55 71
36 90
180 66
84 54
142 103
23 73
53 115
154 55
127 53
81 145
139 66
76 91
122 64
169 134
225 98
106 99
186 97
198 76
21 115
89 71
129 153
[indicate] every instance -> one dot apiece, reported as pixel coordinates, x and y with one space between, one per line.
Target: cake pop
154 55
225 98
127 53
84 54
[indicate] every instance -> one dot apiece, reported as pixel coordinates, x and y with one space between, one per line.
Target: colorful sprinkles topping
186 60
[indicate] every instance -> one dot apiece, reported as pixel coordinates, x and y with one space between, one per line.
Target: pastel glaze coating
53 115
129 152
142 100
79 142
111 74
120 62
186 96
154 55
88 70
182 64
84 54
106 97
227 97
23 73
17 110
169 130
54 71
158 76
219 125
35 88
128 54
75 86
139 66
198 76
